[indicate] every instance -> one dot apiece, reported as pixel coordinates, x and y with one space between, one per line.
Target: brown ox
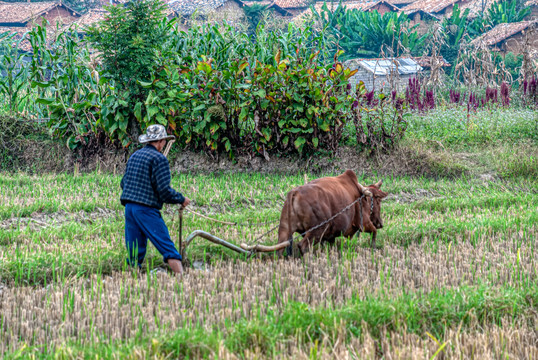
314 203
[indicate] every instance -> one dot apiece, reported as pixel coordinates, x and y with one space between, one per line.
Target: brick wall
60 14
516 43
381 8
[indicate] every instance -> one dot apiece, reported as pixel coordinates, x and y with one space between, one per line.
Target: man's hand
186 202
176 266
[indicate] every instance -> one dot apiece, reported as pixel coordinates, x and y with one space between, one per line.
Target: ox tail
286 228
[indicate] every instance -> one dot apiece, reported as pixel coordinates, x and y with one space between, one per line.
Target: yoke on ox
327 208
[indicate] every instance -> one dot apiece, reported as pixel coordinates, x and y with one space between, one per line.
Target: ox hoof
295 251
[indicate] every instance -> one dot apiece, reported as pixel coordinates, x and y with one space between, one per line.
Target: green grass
418 209
415 313
457 255
452 127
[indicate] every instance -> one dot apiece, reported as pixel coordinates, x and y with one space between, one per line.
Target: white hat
155 133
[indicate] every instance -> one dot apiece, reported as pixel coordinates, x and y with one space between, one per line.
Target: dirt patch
40 220
402 161
37 156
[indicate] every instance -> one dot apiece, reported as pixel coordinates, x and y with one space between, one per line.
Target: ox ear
378 184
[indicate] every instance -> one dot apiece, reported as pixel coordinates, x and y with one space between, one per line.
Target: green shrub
294 105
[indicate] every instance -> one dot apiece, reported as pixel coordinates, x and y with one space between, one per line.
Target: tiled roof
400 2
501 32
21 31
262 2
23 12
431 6
188 7
293 4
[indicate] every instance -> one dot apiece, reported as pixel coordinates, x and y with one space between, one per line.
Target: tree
129 41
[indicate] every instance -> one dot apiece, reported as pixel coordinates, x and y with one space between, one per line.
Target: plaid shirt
147 180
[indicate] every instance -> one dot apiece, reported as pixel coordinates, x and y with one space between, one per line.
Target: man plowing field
146 186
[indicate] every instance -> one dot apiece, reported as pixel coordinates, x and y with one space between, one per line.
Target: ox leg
330 241
306 243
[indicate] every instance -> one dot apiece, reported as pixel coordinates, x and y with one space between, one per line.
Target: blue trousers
143 223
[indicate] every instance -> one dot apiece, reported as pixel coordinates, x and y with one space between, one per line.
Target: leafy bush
293 105
454 28
129 42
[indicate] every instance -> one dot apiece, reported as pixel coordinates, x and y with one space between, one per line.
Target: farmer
146 186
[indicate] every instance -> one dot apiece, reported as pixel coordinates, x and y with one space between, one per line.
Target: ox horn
364 189
379 183
264 248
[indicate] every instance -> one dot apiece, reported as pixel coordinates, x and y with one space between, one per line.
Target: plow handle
180 215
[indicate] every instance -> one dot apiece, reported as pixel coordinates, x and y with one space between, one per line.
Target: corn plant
66 85
13 72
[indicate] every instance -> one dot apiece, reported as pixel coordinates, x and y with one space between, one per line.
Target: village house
383 74
423 19
510 37
26 14
208 11
19 18
438 8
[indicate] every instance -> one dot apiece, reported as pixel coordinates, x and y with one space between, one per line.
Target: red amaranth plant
429 100
491 96
530 91
412 95
505 94
455 96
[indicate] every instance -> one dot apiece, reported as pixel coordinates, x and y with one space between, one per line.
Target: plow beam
214 240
